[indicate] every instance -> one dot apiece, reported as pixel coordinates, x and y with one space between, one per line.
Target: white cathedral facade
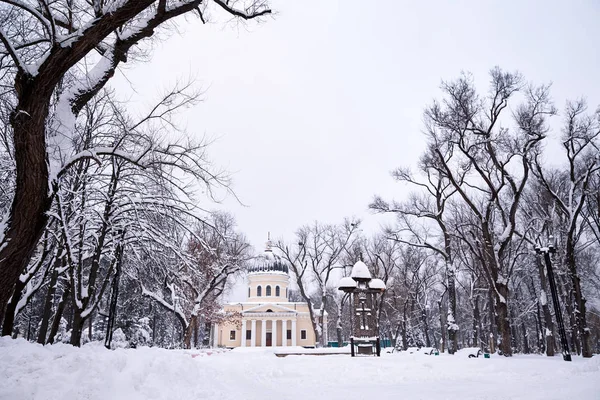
268 319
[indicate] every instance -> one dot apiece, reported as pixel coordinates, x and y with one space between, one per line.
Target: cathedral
268 319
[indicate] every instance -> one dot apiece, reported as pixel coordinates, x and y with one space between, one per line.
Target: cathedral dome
268 277
268 262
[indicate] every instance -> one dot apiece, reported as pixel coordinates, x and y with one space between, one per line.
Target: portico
273 326
273 329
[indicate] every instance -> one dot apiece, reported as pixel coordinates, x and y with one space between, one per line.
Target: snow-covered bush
140 333
119 340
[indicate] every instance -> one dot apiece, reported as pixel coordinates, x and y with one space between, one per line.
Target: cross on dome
269 243
268 261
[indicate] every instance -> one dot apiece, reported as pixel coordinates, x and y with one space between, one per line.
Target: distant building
268 318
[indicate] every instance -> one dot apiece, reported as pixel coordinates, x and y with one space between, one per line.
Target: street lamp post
546 251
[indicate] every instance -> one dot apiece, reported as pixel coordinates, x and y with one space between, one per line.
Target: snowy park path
29 371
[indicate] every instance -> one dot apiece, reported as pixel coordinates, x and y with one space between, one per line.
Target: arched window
258 291
248 291
268 293
277 291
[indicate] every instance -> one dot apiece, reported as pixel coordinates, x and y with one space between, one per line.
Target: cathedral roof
268 262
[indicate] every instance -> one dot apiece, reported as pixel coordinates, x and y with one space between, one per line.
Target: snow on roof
360 271
377 284
347 283
268 262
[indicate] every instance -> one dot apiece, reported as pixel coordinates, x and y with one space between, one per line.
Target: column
293 332
263 334
284 332
216 336
243 336
253 334
274 332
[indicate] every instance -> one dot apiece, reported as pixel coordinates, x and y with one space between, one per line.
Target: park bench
471 352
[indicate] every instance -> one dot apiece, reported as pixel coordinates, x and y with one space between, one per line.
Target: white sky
314 108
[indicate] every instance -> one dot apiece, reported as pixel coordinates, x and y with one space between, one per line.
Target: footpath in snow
31 371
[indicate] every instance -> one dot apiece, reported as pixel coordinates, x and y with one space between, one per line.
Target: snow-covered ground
29 371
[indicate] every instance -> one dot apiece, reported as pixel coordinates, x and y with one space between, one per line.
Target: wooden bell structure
363 292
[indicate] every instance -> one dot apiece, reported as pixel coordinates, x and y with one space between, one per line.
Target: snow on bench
471 352
423 350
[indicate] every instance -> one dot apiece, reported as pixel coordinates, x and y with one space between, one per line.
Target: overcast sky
314 107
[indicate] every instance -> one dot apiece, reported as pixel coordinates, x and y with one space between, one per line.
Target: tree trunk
491 314
322 340
59 311
187 338
549 333
443 327
525 341
114 296
566 294
184 330
425 327
539 330
340 338
196 328
580 316
451 319
90 335
403 325
28 212
492 343
503 319
77 327
311 311
11 307
338 325
480 336
514 335
573 329
476 322
154 327
29 322
48 307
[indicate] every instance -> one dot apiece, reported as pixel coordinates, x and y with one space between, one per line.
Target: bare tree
538 211
148 197
570 190
430 205
45 42
495 163
192 287
314 260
